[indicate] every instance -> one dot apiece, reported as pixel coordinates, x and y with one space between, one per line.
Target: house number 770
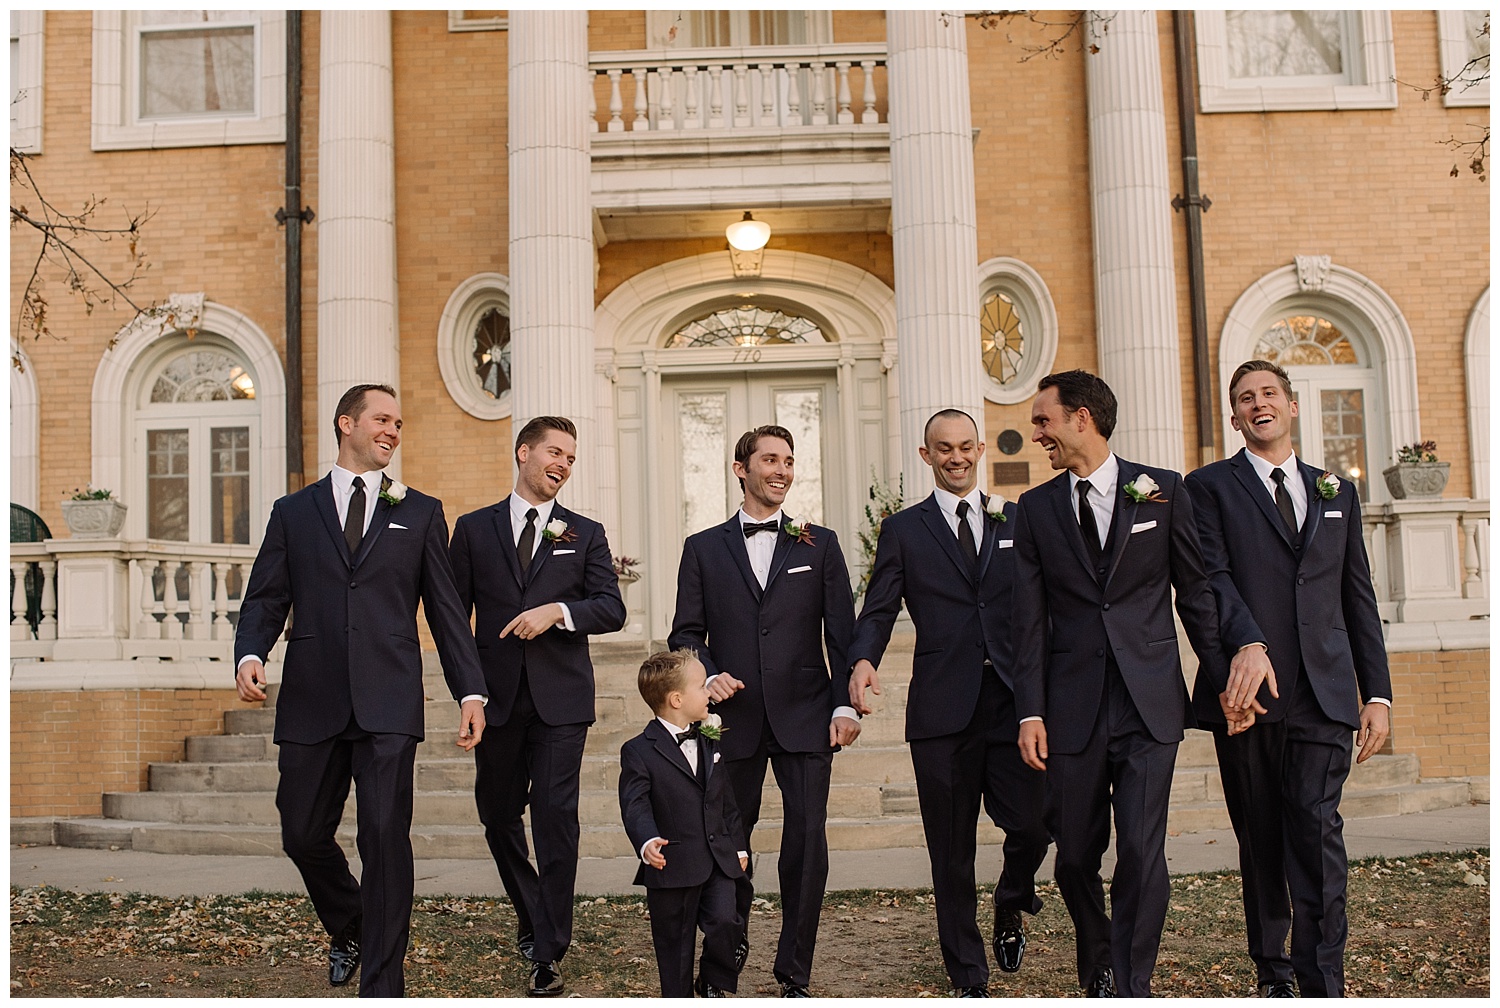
743 355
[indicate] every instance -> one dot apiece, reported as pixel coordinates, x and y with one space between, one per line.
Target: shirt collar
669 726
1263 469
343 479
779 518
520 505
949 501
1103 480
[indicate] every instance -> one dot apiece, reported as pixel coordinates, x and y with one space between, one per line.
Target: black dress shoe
1103 984
546 980
343 955
1010 940
1278 988
741 953
795 990
526 942
978 990
706 989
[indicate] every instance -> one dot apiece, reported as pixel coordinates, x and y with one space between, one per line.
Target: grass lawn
1419 926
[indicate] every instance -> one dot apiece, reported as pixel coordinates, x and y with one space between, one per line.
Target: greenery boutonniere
558 530
1143 488
711 727
995 507
1328 486
800 531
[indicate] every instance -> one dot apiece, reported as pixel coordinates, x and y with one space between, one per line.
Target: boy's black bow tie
752 527
683 736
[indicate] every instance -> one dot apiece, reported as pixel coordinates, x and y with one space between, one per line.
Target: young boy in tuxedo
680 815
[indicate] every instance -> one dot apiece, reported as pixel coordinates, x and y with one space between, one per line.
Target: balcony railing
767 87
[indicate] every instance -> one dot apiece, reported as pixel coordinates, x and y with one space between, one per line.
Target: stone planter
94 519
629 577
1417 480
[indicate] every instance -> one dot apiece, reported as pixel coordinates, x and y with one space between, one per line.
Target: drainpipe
1193 205
293 221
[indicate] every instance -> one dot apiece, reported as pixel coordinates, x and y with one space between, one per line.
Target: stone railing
767 87
1430 563
113 599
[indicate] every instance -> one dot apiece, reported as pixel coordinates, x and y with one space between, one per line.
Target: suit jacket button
1106 607
981 605
710 836
764 631
353 584
1302 580
1099 653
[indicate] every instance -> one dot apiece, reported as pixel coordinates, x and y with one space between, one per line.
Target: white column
551 234
357 328
1135 285
934 226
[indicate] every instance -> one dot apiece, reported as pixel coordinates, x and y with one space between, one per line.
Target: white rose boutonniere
1143 488
711 727
558 530
995 507
1328 486
392 492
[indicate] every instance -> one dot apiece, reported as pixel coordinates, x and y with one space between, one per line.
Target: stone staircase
221 798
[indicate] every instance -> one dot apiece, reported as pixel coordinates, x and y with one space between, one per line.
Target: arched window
1017 329
474 346
748 325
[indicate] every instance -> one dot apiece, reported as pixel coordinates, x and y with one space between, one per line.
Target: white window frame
117 124
1308 384
819 25
26 113
1369 71
25 431
455 340
1028 292
458 22
1453 48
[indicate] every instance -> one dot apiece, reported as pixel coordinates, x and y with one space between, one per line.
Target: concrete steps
221 798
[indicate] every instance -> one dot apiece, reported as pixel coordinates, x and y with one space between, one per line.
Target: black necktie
1087 523
966 536
1284 501
751 527
528 537
354 518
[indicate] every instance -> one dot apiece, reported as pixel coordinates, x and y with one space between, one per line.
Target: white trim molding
26 27
1356 295
466 306
1477 385
1028 292
117 124
1369 78
25 430
1465 90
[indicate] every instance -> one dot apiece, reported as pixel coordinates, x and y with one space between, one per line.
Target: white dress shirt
948 504
1103 482
689 748
518 507
1295 488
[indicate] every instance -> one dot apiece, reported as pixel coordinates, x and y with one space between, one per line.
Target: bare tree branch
1476 149
1055 34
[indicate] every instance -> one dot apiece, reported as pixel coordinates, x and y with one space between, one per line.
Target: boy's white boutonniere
393 493
1328 486
711 727
800 531
1143 488
995 507
558 530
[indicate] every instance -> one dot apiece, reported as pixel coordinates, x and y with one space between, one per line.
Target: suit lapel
987 541
1124 516
323 501
734 543
937 524
1315 503
1244 471
377 526
1062 504
778 558
545 546
668 747
507 538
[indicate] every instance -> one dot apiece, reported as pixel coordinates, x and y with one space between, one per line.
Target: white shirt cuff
1034 717
567 616
248 657
1378 699
1259 644
846 711
743 854
475 696
642 851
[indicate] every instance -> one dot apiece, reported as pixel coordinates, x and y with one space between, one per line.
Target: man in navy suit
1099 684
1283 546
758 598
540 580
951 559
350 556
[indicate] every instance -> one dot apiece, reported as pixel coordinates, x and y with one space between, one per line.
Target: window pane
1476 25
197 71
702 436
1343 414
167 484
229 487
801 412
492 352
748 325
1284 43
202 376
1303 340
1002 343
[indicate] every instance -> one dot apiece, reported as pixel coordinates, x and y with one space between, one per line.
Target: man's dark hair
352 405
746 445
1251 366
662 674
1079 388
946 414
537 427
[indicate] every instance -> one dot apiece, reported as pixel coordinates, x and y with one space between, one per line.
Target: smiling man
758 598
351 556
950 558
540 580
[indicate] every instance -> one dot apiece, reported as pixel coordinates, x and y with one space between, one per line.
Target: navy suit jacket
771 640
660 796
1066 618
1313 608
353 647
579 572
960 620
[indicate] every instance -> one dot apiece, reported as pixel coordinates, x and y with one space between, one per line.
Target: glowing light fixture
748 234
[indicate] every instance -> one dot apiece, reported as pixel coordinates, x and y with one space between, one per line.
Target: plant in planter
1417 473
93 514
625 569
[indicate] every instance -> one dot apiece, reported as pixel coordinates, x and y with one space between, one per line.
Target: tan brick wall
1441 711
67 748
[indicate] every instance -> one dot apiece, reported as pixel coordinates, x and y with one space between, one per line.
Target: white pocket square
1143 526
716 756
799 570
394 525
563 552
1004 543
1333 514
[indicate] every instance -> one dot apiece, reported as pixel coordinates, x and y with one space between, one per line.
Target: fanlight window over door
748 325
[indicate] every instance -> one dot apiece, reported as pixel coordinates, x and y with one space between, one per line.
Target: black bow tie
683 736
751 527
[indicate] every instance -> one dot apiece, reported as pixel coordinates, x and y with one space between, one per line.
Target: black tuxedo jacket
1067 618
579 572
353 646
1314 607
772 640
660 796
961 620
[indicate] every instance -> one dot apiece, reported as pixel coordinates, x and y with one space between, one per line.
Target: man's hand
1249 667
1033 742
470 724
652 854
864 675
535 622
842 731
1374 729
1239 718
723 687
744 863
249 679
